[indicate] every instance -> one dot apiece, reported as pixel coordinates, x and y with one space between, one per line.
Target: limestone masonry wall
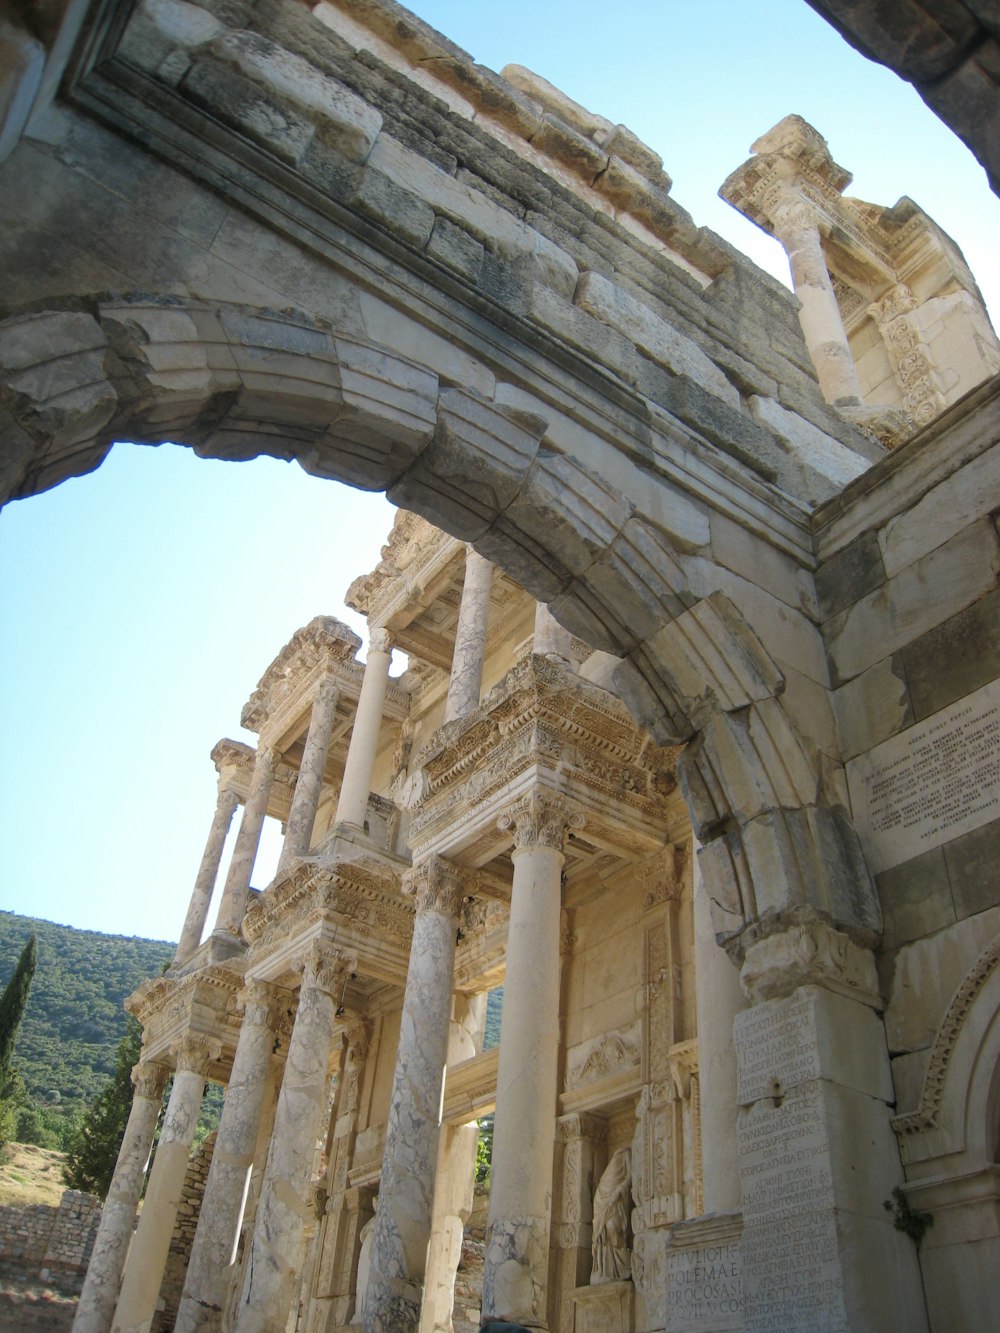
46 1240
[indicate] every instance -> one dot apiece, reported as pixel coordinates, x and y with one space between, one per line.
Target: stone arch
234 382
957 1116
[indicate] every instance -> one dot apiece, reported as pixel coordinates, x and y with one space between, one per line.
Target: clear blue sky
139 605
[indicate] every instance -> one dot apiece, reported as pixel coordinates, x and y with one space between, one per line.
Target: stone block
959 573
955 658
966 100
872 707
387 326
916 899
456 248
973 863
245 107
968 494
613 305
347 121
22 63
474 466
628 593
925 974
847 576
739 550
917 40
402 212
828 464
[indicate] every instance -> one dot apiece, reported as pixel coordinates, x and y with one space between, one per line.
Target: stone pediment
323 642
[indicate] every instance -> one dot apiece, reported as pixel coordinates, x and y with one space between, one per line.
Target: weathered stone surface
959 572
846 577
971 862
873 706
955 658
916 898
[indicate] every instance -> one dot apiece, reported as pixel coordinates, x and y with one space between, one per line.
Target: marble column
201 894
719 998
796 226
454 1186
302 815
466 681
550 639
356 786
233 907
517 1237
147 1256
409 1159
286 1202
100 1288
206 1281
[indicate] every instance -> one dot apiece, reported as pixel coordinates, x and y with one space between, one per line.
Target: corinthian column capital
195 1053
438 885
328 969
148 1080
540 821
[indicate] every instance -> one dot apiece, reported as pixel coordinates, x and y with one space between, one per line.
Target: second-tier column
147 1256
96 1306
273 1265
233 907
466 681
515 1278
356 784
302 815
201 894
409 1159
219 1217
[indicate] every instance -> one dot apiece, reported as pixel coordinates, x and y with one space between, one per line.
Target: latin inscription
704 1288
789 1240
775 1049
935 781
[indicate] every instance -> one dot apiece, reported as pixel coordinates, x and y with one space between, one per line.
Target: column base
516 1273
605 1307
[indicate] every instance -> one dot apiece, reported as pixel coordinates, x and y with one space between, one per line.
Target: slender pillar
454 1187
201 894
409 1159
147 1257
466 681
100 1288
356 786
550 639
286 1197
719 998
206 1282
302 815
233 907
796 226
517 1237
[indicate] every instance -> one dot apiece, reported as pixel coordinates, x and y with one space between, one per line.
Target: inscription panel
776 1048
704 1289
789 1241
933 782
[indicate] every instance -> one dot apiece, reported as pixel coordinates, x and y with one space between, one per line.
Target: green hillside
74 1020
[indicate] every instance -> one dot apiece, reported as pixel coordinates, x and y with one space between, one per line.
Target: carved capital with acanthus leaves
540 821
148 1080
380 640
327 969
256 1003
438 885
195 1053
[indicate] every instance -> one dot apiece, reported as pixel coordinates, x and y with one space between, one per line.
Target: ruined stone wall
47 1240
910 592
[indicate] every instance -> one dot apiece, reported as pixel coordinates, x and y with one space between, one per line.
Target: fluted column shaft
233 907
147 1257
206 1281
515 1278
409 1159
276 1249
201 894
302 815
796 227
466 681
96 1306
550 639
356 786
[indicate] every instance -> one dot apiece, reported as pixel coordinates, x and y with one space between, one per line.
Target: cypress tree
90 1162
12 1005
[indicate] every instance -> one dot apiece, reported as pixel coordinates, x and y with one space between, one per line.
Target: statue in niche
612 1208
364 1267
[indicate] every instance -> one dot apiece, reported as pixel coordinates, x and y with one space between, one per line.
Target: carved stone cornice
321 644
540 820
409 558
148 1080
438 885
194 1053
